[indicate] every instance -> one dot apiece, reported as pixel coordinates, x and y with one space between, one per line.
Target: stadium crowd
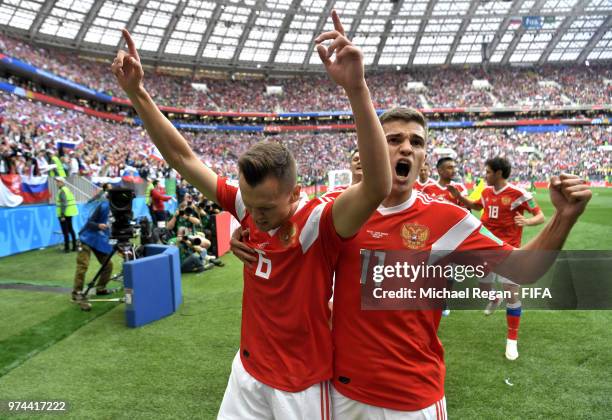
31 132
448 87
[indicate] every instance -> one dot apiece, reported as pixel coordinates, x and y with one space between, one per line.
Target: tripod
127 251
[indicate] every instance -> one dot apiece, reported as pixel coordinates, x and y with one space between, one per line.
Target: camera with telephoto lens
195 240
120 202
187 212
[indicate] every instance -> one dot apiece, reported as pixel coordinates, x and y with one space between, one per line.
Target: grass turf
178 367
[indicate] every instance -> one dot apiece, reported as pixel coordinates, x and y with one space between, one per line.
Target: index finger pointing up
337 25
130 43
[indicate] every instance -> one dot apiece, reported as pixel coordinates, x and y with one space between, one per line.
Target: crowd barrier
26 228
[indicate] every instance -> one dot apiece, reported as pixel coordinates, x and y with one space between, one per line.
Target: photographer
206 211
186 217
192 251
94 238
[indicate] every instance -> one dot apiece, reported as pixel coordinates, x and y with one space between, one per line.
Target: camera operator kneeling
192 251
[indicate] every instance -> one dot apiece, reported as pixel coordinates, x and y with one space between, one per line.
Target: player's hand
520 220
102 226
347 68
127 68
453 190
569 194
240 249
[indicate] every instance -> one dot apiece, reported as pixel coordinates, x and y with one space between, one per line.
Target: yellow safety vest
71 207
59 168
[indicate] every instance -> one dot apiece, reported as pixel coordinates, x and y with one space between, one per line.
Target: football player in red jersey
424 179
390 364
285 358
504 205
447 170
409 382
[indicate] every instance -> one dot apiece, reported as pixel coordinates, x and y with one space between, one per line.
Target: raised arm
172 145
570 195
355 205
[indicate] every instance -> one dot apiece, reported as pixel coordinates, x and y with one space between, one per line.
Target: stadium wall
26 228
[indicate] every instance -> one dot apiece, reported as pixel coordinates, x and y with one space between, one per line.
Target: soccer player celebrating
389 364
405 358
447 170
285 355
504 205
424 179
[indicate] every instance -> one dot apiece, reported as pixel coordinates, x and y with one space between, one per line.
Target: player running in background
504 205
447 170
389 364
285 357
424 179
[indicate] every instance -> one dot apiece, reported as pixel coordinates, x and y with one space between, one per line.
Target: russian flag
35 189
155 154
68 144
130 174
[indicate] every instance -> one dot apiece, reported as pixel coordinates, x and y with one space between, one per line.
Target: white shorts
492 277
345 408
247 398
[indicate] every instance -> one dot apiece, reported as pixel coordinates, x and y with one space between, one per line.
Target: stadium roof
279 34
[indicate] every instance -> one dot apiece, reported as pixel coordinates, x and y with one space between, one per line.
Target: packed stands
31 132
444 87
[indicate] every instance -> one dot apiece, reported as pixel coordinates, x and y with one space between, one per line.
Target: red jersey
393 358
285 339
438 191
500 208
419 186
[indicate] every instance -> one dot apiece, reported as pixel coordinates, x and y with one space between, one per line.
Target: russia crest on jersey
414 235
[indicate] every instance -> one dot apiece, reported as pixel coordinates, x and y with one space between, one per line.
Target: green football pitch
178 367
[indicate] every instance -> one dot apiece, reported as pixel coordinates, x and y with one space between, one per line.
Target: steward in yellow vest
66 208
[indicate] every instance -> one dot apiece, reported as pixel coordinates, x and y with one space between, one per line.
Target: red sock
513 318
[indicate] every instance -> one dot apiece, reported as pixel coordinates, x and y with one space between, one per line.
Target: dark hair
355 150
499 163
266 159
404 114
444 159
155 182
